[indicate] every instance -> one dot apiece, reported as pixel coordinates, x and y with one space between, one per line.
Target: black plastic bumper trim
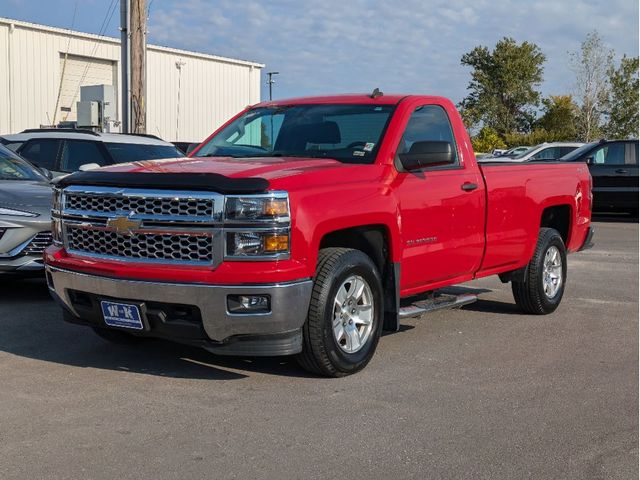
588 241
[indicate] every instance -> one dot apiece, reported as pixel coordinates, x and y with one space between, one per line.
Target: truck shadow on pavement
32 327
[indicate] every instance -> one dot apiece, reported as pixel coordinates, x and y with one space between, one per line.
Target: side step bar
436 302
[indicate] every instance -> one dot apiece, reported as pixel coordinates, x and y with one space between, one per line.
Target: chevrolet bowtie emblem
123 224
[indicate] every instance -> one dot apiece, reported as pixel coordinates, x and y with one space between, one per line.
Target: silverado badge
123 225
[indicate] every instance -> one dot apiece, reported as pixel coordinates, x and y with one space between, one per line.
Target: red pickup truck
305 227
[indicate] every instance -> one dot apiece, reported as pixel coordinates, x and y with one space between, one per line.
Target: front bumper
193 313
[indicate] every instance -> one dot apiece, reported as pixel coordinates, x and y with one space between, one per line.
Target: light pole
270 82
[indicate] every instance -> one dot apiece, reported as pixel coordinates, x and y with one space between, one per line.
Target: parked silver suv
25 219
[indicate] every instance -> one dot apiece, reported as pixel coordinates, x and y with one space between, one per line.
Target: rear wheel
345 314
542 290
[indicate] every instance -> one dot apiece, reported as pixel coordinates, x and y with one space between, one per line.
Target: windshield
134 152
12 167
528 151
347 133
578 152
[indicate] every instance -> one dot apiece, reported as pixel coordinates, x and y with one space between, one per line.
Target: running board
436 302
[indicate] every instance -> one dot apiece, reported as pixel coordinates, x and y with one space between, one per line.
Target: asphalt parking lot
482 392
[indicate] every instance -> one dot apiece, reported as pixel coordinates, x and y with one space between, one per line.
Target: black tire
530 295
321 353
117 336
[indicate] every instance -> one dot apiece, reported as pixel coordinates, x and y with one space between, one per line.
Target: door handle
621 170
468 186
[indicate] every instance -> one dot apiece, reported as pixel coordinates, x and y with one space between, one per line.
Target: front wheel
344 321
543 287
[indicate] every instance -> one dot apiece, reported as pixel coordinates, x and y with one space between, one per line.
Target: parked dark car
614 167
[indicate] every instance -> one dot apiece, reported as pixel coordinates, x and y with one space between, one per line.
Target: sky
338 46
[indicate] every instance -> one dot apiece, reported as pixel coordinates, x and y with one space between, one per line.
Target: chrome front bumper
289 301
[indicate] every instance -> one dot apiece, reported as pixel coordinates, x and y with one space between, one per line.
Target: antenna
376 93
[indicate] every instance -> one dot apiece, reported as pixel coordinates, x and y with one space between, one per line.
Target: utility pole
138 49
270 82
124 65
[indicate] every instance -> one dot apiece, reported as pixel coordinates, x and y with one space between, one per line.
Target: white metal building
42 69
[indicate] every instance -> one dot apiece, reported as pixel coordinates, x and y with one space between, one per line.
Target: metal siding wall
212 90
35 75
4 78
210 93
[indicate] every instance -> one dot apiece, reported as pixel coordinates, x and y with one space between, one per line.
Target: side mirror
591 161
427 154
47 173
88 166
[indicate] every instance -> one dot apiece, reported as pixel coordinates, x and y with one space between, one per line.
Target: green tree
590 65
622 102
486 140
502 91
559 117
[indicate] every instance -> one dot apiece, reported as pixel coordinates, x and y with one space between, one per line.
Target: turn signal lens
276 243
276 207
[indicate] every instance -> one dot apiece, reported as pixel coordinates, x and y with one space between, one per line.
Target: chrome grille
166 206
181 247
38 244
143 225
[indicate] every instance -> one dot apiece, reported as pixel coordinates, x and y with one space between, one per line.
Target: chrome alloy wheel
353 314
552 276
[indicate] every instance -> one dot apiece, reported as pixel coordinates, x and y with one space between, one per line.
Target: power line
64 64
103 28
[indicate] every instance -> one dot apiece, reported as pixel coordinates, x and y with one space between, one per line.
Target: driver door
442 209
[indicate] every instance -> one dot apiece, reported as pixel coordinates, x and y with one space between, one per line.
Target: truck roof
353 98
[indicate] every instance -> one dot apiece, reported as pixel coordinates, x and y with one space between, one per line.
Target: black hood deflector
212 182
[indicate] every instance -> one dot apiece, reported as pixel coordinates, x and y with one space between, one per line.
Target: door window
550 153
631 157
609 154
76 153
41 152
428 123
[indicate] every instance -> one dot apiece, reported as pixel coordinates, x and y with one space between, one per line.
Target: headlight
272 207
16 213
267 244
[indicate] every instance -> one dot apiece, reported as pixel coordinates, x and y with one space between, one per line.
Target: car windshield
134 152
347 133
578 152
12 167
528 151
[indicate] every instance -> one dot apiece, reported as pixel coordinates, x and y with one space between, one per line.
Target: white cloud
410 45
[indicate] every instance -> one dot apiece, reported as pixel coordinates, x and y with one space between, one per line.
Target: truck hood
269 168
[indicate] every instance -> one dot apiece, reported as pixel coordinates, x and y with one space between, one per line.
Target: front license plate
121 315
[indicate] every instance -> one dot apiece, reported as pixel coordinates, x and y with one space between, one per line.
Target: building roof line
116 41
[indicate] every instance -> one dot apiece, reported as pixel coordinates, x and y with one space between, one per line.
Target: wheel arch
559 218
375 241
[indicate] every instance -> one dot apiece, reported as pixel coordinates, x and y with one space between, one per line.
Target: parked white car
62 151
544 151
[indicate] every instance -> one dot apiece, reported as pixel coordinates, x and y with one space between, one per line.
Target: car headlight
16 213
252 243
272 207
